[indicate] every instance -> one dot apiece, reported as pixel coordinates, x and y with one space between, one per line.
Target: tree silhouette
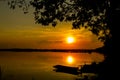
94 15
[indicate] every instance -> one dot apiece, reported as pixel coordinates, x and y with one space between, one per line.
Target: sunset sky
18 30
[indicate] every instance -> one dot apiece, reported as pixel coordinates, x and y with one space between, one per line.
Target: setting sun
70 59
70 39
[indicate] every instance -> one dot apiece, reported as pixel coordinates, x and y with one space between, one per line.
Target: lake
39 65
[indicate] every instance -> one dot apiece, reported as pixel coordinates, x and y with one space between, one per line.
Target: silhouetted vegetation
94 15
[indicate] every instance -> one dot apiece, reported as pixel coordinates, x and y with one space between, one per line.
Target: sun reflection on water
70 60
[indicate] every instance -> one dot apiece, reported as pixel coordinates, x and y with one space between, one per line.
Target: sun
70 59
70 40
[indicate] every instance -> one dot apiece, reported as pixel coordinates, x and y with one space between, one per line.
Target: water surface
39 65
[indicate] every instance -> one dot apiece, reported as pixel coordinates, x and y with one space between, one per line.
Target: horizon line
48 50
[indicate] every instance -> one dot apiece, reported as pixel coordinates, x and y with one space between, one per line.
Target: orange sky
18 30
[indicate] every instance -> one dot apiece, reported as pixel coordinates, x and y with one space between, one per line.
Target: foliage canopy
91 14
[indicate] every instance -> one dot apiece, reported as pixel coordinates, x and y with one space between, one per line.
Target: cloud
50 41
